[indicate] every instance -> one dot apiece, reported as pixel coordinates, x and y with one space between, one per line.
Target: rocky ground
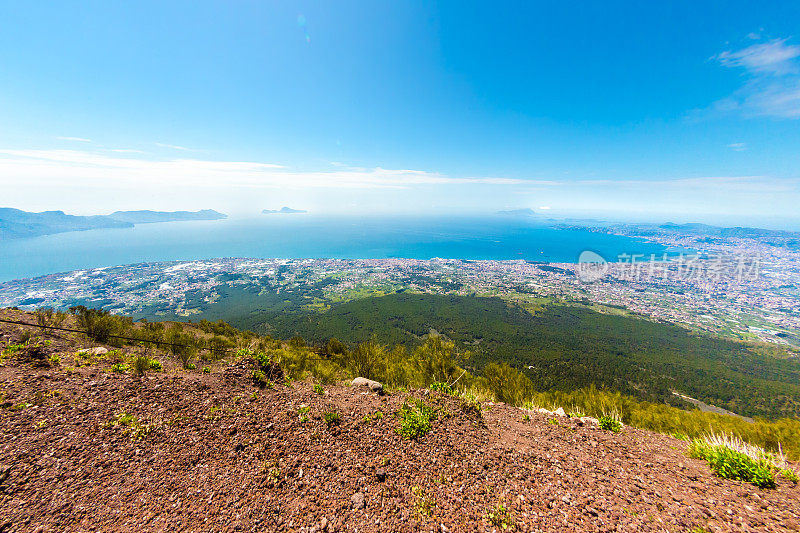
213 452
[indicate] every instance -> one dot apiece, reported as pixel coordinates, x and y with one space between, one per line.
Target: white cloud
75 139
94 169
738 147
175 147
774 57
773 85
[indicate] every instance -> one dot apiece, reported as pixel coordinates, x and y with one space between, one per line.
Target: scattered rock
357 500
380 475
98 350
560 412
374 386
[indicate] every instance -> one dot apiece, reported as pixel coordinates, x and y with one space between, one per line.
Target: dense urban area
736 287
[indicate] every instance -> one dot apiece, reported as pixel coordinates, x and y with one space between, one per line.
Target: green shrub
318 389
729 463
507 384
259 378
102 326
610 423
332 418
415 419
437 360
218 346
156 365
190 366
141 365
182 345
303 412
120 368
206 370
442 387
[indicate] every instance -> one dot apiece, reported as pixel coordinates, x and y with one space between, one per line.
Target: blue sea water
307 236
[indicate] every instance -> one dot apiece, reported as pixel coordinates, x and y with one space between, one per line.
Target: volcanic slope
85 448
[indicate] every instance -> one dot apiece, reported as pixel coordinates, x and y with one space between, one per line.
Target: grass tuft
731 458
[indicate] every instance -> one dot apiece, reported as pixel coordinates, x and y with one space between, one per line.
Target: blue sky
676 109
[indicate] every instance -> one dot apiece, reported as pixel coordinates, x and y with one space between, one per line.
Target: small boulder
357 500
380 475
544 411
560 412
374 386
99 350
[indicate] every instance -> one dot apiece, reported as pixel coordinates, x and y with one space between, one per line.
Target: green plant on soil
415 419
610 423
423 502
499 517
730 458
332 418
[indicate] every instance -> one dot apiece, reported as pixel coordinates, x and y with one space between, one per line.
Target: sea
309 236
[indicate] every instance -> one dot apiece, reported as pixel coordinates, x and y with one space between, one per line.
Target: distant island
282 210
17 224
527 211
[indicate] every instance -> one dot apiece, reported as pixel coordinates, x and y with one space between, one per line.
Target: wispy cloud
773 80
86 168
738 147
774 57
125 151
74 139
175 147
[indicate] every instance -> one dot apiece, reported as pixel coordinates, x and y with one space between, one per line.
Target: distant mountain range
15 223
710 234
147 217
283 210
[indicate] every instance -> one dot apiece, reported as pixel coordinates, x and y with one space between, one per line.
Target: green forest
561 348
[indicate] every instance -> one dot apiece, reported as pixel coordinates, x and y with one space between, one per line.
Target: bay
309 236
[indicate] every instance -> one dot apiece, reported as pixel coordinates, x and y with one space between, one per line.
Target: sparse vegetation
303 412
131 425
499 517
120 368
331 418
789 475
318 389
424 503
415 419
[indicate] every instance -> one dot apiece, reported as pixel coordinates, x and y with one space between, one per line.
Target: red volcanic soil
212 452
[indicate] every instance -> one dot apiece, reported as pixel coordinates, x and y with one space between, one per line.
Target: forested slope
565 347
